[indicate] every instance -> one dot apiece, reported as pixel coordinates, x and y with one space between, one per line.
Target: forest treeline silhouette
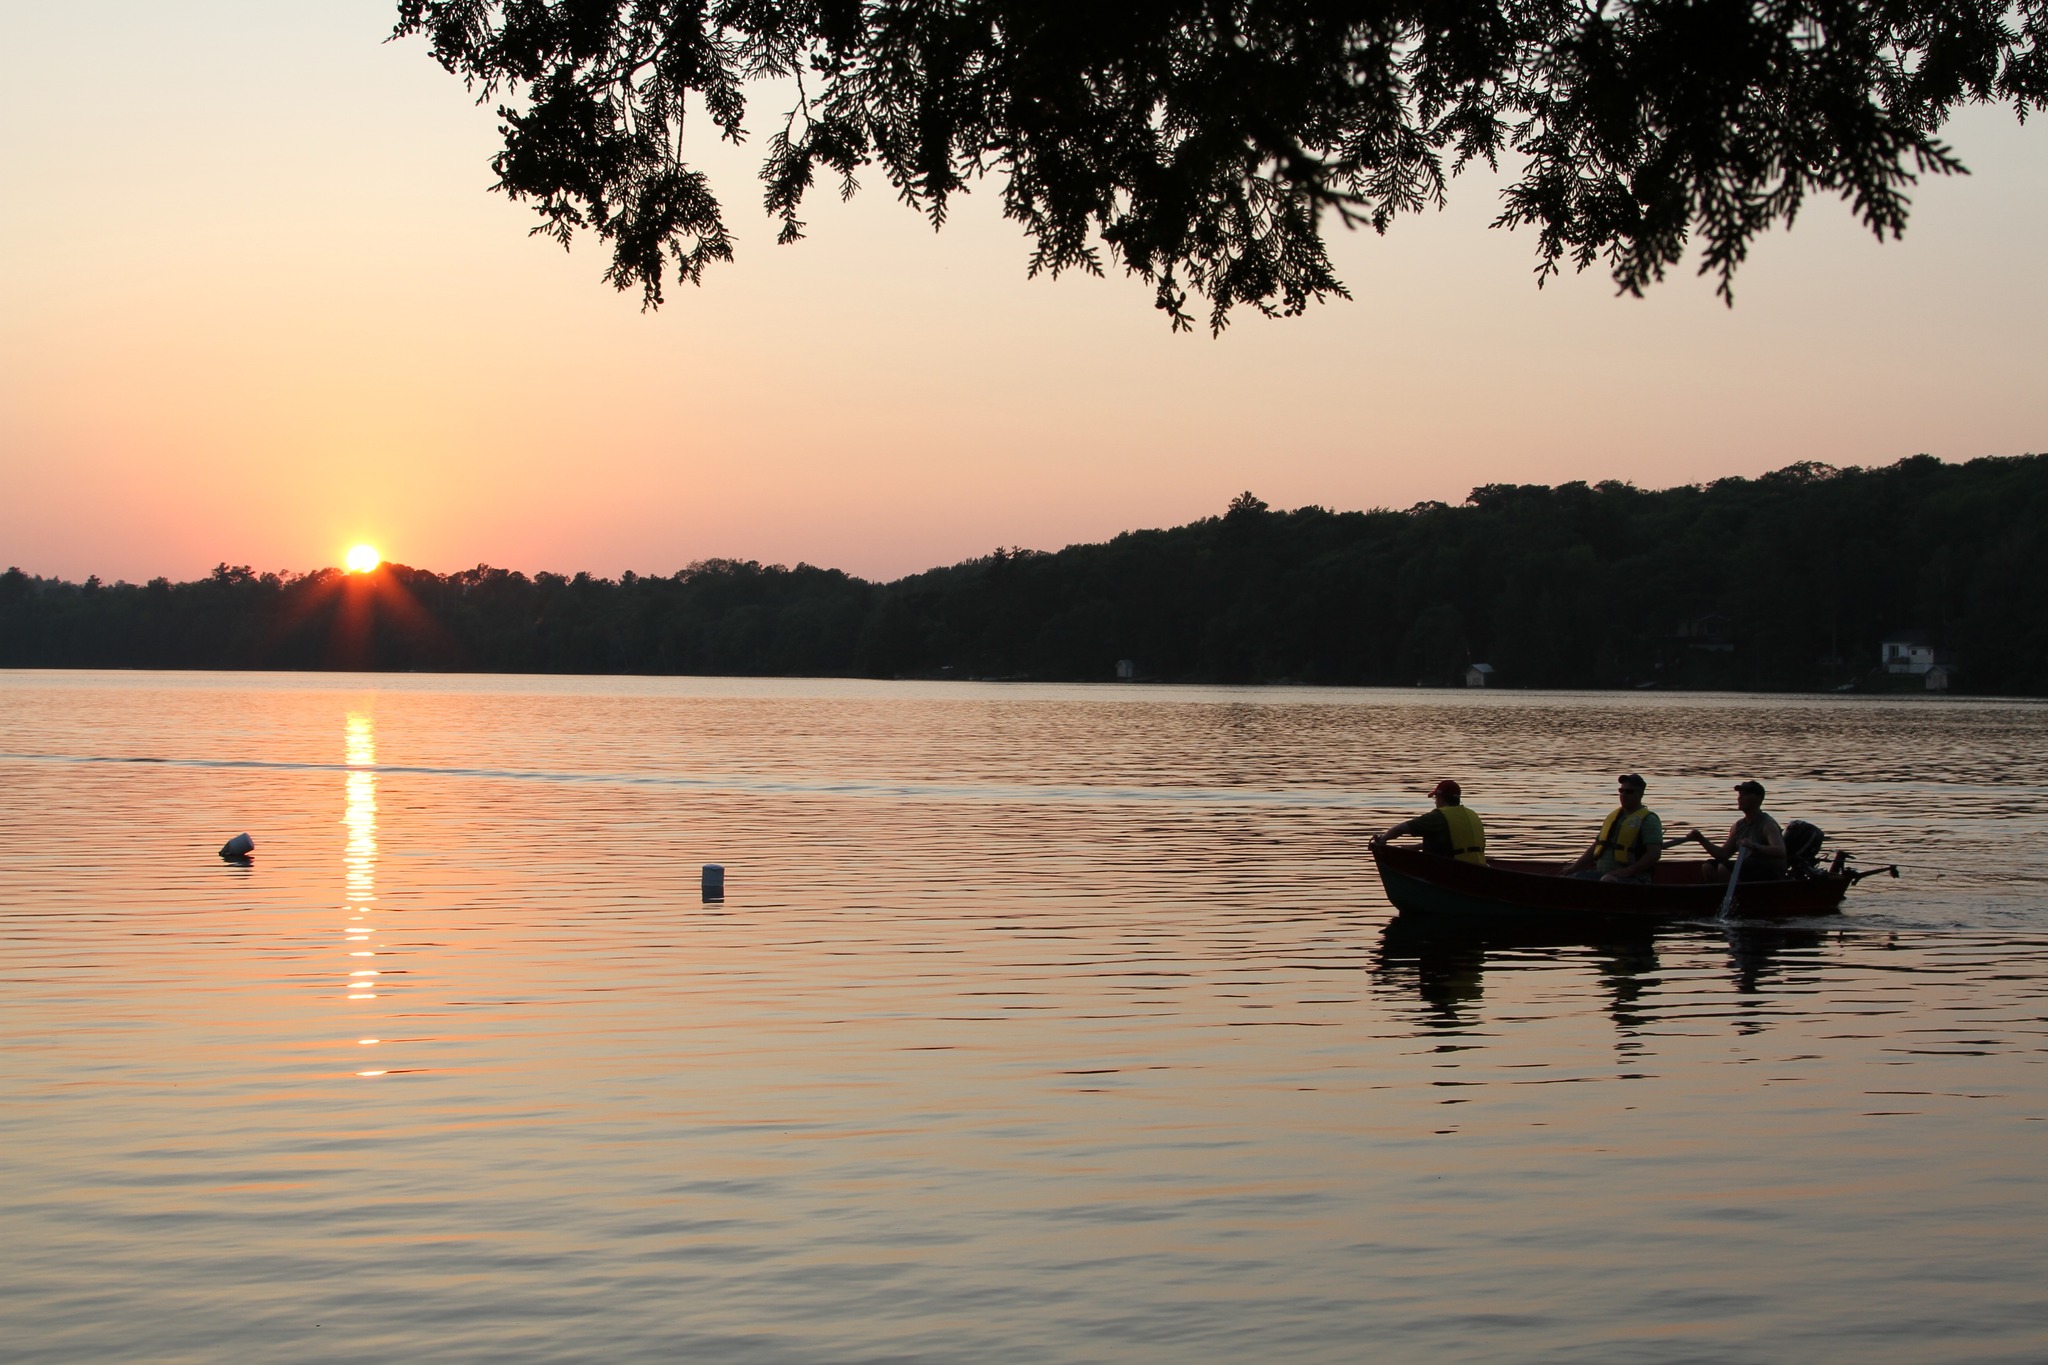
1787 581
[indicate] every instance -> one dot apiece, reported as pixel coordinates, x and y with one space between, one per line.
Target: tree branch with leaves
1208 147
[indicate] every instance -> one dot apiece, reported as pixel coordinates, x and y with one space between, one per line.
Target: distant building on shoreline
1911 654
1907 651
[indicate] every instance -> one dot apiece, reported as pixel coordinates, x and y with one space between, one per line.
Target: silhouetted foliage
1788 581
1201 144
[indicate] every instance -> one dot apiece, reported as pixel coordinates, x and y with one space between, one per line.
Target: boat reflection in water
1445 964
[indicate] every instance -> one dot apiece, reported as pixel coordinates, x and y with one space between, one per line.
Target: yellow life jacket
1621 837
1468 836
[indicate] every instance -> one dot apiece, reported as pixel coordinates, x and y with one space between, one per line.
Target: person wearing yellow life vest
1449 831
1630 842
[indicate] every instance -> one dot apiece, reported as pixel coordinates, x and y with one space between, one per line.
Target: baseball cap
1751 786
1447 788
1632 780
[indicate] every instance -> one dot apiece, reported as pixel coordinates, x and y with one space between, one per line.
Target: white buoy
241 846
714 881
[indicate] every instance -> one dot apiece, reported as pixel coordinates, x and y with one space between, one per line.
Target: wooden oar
1734 875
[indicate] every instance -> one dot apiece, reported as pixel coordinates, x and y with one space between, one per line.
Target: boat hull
1518 889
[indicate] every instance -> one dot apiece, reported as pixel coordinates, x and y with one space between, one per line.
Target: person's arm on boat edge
1720 852
1423 825
1583 861
1772 841
1433 827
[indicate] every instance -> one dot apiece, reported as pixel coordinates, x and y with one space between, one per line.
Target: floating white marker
241 846
714 881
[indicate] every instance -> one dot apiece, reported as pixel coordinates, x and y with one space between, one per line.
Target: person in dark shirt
1755 834
1449 831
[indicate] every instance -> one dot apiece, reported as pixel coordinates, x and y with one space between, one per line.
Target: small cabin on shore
1480 675
1907 651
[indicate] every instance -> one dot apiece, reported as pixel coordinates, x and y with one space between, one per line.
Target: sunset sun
363 558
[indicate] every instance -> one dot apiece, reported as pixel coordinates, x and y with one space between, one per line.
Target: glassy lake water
1039 1023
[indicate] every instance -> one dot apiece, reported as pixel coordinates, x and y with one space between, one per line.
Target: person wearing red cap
1449 831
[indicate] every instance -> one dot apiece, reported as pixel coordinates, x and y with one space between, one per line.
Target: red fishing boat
1531 889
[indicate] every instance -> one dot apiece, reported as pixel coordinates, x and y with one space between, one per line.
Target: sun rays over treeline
1787 581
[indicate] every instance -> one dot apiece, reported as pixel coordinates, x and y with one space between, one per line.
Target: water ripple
1047 1024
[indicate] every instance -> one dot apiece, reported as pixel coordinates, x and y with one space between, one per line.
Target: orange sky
255 306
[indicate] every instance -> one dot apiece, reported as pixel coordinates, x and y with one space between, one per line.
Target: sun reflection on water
359 853
359 858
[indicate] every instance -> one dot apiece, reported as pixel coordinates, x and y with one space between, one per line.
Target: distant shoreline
1809 580
1091 684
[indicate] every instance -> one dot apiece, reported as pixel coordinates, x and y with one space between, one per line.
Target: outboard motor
1802 849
